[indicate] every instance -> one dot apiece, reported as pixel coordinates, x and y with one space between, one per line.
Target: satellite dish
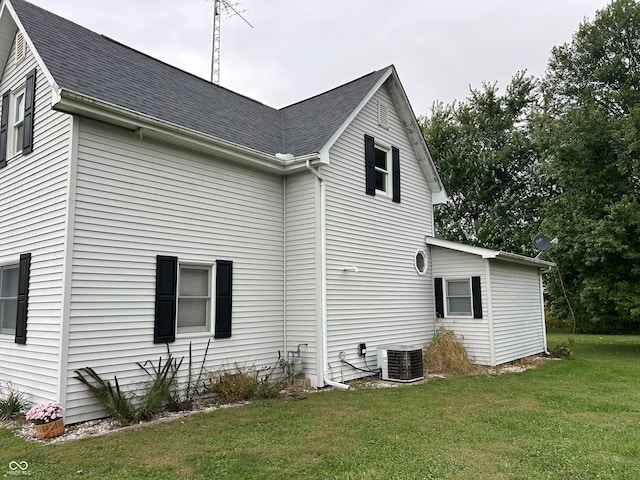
541 242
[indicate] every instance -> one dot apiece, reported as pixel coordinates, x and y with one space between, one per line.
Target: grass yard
570 419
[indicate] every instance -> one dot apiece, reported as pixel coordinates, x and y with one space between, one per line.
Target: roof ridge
334 88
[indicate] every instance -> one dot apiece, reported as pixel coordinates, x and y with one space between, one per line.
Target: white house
142 206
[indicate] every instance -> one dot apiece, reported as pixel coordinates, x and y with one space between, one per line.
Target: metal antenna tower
230 10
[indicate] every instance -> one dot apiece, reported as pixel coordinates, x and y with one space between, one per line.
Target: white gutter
145 125
323 356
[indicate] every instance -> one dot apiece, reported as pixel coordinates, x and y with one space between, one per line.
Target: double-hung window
382 169
18 121
194 298
459 297
9 276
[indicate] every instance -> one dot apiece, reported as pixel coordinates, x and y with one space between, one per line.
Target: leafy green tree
592 150
489 165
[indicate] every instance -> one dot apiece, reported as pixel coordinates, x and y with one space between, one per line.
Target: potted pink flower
47 418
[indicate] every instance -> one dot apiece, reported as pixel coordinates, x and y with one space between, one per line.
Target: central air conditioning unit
400 363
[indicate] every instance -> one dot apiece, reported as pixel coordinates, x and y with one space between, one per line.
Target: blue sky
298 48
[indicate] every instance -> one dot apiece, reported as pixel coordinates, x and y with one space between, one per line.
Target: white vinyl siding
303 277
33 203
386 301
137 198
474 332
517 312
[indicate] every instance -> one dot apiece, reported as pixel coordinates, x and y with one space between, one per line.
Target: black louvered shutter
29 110
370 164
166 294
437 283
477 297
395 165
224 277
23 298
4 128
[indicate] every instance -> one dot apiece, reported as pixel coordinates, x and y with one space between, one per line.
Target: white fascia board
487 253
521 259
324 151
460 247
74 103
6 6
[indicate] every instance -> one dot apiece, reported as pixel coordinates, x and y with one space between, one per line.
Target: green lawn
569 419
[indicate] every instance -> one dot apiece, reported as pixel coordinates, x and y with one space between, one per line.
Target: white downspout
323 290
284 257
544 325
492 345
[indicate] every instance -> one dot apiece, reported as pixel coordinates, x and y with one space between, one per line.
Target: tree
489 165
592 148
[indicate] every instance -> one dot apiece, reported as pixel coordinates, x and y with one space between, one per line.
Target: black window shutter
477 297
437 283
370 164
24 273
29 110
4 128
224 277
166 293
395 165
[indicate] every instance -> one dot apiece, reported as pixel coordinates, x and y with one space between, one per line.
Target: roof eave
146 126
487 253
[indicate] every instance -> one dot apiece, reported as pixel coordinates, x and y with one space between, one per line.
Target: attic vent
383 115
21 51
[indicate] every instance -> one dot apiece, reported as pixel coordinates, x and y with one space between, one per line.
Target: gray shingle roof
84 62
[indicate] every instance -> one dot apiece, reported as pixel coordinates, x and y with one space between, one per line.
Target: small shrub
182 396
447 354
158 390
234 386
116 402
12 402
560 351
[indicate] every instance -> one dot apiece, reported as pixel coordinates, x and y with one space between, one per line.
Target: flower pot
51 429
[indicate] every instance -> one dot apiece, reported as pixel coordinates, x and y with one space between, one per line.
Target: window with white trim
17 120
9 276
194 298
383 169
458 294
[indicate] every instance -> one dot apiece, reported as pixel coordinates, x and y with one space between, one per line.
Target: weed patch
242 384
446 354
